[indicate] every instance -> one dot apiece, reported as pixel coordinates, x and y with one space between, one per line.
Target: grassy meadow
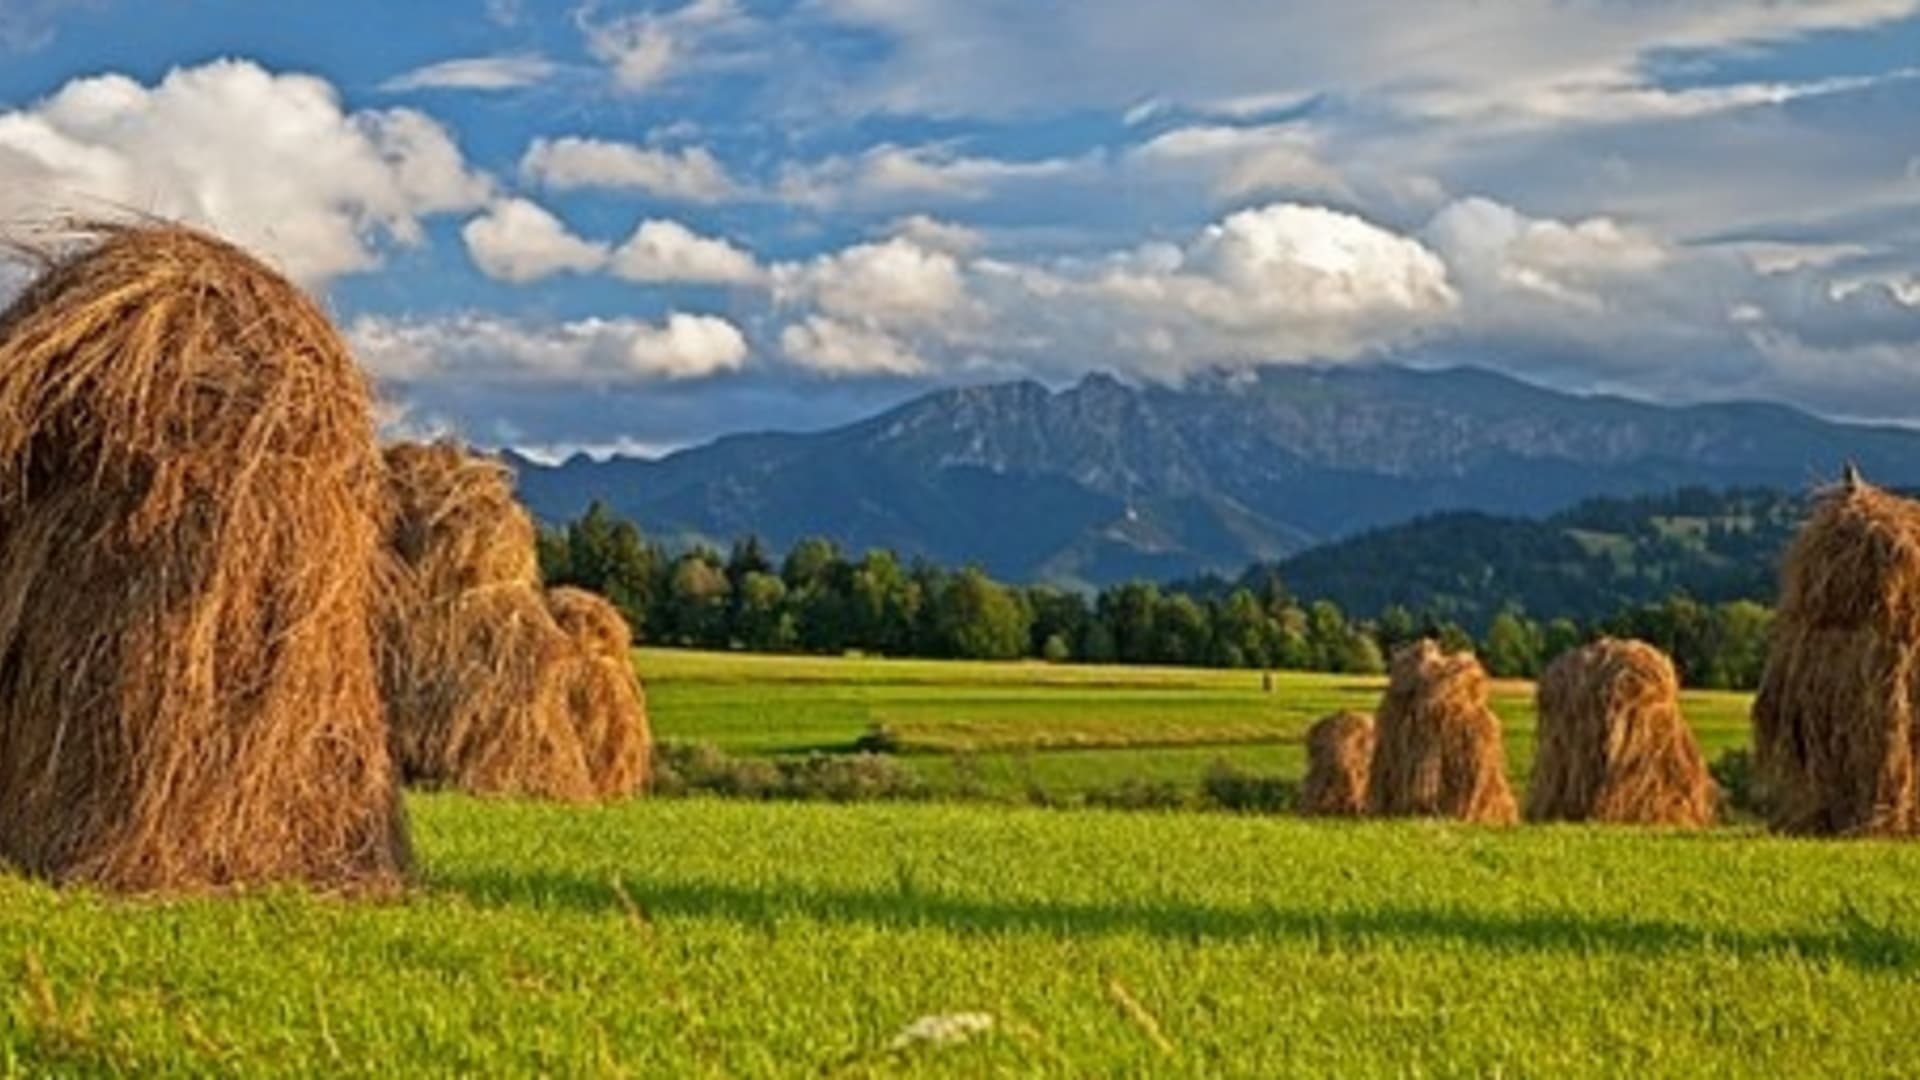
709 937
715 938
1058 730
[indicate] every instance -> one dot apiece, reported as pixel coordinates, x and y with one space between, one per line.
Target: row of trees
818 599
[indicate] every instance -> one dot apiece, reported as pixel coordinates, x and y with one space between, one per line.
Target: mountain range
1103 481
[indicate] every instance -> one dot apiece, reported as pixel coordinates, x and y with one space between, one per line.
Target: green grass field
1063 729
700 937
703 937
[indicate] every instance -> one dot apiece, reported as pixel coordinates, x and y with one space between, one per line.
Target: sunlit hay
1437 747
593 621
1339 757
608 705
1612 745
193 510
460 525
1833 723
479 678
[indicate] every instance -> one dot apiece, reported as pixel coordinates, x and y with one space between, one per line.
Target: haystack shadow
1854 940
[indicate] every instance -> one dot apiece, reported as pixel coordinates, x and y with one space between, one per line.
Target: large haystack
608 706
1834 725
1612 745
1339 757
1437 748
488 693
193 510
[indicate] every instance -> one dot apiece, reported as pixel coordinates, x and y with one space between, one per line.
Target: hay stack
1834 725
193 512
1437 749
488 693
609 707
1612 744
1339 756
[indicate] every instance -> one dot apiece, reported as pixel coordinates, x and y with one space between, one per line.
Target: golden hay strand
1833 724
608 705
193 508
1437 747
460 527
1339 756
1612 745
593 621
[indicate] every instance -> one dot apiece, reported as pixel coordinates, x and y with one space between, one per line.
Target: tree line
815 598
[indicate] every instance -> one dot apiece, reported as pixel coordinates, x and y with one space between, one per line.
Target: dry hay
608 706
488 693
473 658
1612 745
1437 748
1833 724
193 509
460 527
1339 756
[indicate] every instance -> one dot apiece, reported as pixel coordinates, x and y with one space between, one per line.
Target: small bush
1231 788
682 769
856 778
1056 650
695 768
1134 793
1036 794
969 780
879 739
1742 795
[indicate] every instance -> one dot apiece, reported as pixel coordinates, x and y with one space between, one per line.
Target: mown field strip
1065 728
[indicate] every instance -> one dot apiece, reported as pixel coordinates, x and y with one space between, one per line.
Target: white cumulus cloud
667 252
888 173
520 241
1280 282
272 160
487 348
570 163
835 348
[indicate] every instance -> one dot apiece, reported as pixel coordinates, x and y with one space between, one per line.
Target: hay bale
1437 748
193 509
593 621
1339 757
478 676
460 527
1834 725
1612 745
607 704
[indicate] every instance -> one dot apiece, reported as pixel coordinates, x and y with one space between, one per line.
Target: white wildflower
942 1029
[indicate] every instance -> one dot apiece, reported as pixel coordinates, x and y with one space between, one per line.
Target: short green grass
701 937
1065 729
709 938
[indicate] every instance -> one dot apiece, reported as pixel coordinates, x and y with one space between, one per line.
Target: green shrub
878 739
850 778
1134 793
682 769
1231 788
703 768
1742 794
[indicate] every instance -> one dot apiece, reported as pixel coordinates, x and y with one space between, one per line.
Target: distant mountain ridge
1586 563
1102 481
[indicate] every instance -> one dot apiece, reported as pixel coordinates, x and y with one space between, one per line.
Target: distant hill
1102 481
1586 562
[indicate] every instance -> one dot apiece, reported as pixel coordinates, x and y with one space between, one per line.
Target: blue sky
636 226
